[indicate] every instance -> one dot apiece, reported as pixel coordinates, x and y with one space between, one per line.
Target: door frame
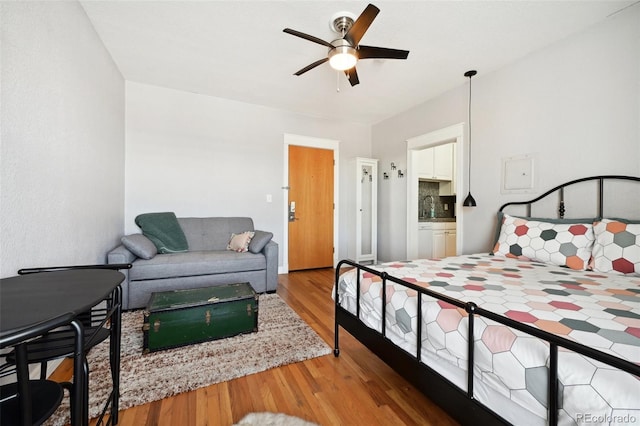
455 134
310 142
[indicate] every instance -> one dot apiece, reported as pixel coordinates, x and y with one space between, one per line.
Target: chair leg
43 370
85 402
69 387
24 391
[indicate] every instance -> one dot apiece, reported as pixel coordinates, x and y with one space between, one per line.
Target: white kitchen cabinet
425 240
436 163
450 243
438 243
425 163
363 232
449 187
444 239
436 239
443 162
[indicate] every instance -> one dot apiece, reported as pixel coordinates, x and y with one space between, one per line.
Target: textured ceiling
237 50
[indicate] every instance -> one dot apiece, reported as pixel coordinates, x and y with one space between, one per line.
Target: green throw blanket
164 231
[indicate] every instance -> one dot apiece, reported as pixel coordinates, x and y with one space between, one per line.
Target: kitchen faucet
432 207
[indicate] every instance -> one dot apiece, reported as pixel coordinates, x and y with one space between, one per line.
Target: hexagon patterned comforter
598 310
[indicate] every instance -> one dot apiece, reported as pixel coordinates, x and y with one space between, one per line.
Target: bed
545 329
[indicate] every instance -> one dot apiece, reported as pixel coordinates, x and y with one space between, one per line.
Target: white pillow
617 247
561 244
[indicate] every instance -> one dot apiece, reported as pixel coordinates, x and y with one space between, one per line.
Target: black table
31 305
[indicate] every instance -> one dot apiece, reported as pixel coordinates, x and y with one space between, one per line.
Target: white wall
203 156
575 103
62 144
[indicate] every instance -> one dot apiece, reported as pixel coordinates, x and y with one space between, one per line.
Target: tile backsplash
431 190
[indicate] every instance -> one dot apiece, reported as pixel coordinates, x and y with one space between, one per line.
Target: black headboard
560 190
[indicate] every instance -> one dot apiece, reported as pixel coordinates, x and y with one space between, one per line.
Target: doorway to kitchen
434 222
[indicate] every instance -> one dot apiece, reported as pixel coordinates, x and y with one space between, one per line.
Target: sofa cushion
213 233
259 240
192 263
164 231
139 245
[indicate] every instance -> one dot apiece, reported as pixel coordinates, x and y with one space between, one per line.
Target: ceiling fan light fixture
343 58
346 51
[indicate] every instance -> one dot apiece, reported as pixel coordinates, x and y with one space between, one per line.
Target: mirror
366 210
363 228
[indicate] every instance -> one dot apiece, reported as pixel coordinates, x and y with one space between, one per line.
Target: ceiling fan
345 52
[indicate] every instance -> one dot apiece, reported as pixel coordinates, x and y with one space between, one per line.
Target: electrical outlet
446 207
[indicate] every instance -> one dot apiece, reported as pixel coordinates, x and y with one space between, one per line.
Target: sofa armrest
271 256
121 254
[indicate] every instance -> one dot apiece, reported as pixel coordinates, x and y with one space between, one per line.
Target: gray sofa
207 261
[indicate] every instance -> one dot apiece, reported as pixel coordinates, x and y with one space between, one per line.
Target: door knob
292 211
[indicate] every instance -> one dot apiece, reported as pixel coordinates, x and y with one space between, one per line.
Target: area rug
272 419
282 338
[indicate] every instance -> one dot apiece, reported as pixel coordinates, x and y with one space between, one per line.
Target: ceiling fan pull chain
338 81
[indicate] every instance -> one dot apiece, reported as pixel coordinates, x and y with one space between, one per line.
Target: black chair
59 343
24 401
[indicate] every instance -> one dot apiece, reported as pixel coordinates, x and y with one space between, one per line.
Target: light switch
269 198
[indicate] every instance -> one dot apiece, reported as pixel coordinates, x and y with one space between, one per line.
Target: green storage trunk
182 317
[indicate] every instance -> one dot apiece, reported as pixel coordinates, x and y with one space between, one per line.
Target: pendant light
469 201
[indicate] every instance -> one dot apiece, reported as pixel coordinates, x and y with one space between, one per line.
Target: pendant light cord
469 201
469 189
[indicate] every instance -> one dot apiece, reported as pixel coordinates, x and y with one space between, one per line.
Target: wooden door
311 224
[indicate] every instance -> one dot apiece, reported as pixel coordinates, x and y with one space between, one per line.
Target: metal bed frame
462 405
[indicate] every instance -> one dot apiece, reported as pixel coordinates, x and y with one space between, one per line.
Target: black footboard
438 389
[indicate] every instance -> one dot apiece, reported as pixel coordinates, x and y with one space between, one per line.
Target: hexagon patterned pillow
617 247
562 244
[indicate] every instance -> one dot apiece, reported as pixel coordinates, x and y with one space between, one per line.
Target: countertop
436 219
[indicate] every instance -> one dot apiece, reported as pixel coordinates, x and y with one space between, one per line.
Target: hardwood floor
355 388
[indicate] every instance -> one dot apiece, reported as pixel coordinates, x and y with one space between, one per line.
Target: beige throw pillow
240 242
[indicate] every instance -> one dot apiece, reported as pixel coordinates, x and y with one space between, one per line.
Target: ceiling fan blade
352 75
367 52
361 25
308 37
311 66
